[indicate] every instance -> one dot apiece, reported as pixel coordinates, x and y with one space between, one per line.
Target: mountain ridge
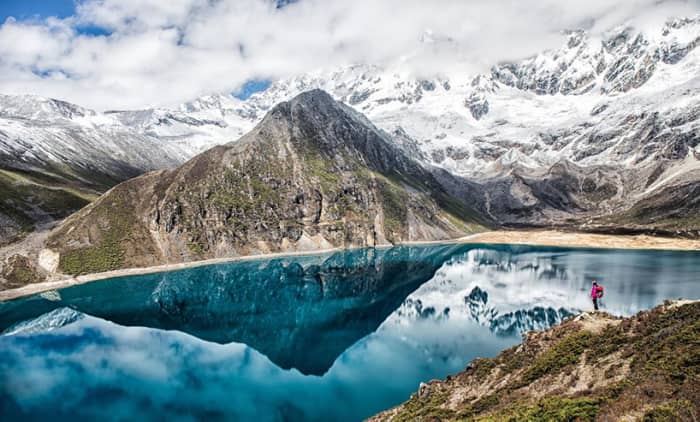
312 175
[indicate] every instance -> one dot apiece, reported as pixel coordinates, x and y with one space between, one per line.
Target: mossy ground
429 408
394 201
564 353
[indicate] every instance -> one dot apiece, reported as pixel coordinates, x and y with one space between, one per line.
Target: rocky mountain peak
310 108
316 122
313 174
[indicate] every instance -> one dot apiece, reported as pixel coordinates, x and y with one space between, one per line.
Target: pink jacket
594 292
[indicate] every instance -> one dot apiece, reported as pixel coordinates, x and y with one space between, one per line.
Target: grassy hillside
31 198
592 367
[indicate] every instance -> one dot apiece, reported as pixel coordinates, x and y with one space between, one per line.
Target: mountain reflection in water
325 337
300 312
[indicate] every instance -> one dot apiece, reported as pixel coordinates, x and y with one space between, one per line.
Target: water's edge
528 238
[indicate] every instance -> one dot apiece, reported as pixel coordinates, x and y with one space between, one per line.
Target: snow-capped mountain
48 134
603 131
194 126
56 156
477 310
535 111
49 321
587 102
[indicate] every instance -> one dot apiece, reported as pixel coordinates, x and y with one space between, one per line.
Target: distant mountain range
600 134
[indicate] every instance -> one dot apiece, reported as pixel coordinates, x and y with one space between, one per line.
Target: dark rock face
596 198
673 210
313 174
478 105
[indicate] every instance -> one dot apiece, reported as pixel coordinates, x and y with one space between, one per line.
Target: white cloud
165 52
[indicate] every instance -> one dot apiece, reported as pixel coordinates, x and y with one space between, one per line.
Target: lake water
327 337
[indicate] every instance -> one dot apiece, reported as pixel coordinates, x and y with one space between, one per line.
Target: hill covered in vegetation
591 367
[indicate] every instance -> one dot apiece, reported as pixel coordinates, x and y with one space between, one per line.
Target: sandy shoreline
586 240
535 238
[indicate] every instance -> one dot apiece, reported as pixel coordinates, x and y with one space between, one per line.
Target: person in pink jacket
596 293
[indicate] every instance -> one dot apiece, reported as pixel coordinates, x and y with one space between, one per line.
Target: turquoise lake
332 337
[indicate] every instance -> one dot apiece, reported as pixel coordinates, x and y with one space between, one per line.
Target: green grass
610 340
678 410
480 406
566 352
106 256
20 198
18 195
114 223
196 247
550 409
670 345
23 275
20 271
427 408
459 214
394 200
510 360
482 367
326 175
249 197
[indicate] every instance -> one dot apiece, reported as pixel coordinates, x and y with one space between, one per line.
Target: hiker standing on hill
596 293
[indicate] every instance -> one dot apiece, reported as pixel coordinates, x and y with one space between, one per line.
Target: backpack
599 291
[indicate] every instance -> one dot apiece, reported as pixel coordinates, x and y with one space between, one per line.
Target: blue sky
251 87
27 9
